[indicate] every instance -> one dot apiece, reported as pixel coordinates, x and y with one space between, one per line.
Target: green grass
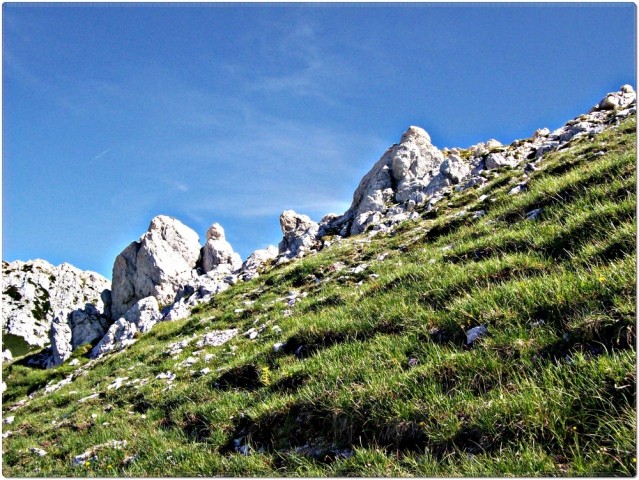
375 377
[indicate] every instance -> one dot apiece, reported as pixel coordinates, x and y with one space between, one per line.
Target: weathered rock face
60 335
154 266
252 265
144 314
217 251
414 172
119 335
618 100
34 292
408 173
299 231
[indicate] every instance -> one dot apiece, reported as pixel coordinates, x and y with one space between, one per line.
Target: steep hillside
492 333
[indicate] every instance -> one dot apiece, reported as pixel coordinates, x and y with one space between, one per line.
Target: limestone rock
34 291
119 335
154 266
256 260
407 172
299 232
87 326
455 169
177 311
60 335
415 162
6 356
618 100
144 314
498 160
218 251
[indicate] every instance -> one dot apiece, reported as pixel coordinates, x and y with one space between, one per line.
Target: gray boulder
119 335
217 251
256 260
618 100
498 160
87 325
60 337
455 169
144 314
154 266
300 233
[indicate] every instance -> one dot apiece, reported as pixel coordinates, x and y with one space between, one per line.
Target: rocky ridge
166 272
35 293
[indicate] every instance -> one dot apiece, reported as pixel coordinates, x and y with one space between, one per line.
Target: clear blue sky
232 113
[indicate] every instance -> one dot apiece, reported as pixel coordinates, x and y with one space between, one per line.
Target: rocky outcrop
120 334
407 174
144 314
299 232
217 251
155 266
255 262
60 335
415 173
34 292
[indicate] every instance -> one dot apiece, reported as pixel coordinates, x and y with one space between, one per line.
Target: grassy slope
384 384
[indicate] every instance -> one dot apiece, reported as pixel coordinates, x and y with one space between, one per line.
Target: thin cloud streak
99 155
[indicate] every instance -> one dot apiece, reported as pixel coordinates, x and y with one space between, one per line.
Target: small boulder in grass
38 451
475 334
533 214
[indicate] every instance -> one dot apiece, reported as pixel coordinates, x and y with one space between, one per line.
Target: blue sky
232 113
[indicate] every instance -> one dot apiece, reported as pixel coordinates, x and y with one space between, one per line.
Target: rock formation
299 231
217 251
34 292
415 173
256 260
155 266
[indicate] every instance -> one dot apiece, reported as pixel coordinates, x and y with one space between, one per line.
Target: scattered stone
129 460
278 346
90 397
475 334
166 376
359 269
59 385
119 381
518 189
6 356
8 420
90 455
120 335
217 338
534 214
38 451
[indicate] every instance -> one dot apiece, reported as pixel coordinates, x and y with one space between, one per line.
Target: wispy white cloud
100 155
